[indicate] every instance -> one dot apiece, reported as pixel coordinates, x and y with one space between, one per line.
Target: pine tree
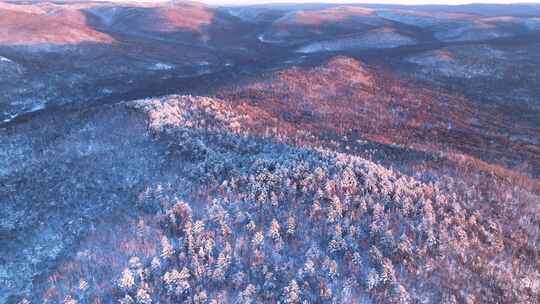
127 281
247 296
176 281
292 293
143 295
70 300
167 250
372 279
258 239
126 300
291 225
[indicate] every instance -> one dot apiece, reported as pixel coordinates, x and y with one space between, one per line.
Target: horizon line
294 2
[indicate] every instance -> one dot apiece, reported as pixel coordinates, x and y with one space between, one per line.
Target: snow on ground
409 18
9 69
275 37
4 59
450 62
532 24
250 14
288 18
376 39
34 107
421 19
162 67
30 106
106 91
461 27
38 105
469 31
106 14
9 118
340 16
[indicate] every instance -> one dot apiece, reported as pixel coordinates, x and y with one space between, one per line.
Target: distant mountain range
177 152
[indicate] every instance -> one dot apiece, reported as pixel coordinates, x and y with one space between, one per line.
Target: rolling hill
184 153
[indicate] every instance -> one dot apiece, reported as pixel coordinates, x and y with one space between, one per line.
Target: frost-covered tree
127 280
292 293
176 282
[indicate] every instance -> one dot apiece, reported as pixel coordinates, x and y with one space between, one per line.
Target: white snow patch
106 14
37 106
278 37
10 117
379 39
4 59
162 67
451 62
247 14
263 39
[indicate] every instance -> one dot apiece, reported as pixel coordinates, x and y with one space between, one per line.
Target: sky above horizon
402 2
410 2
